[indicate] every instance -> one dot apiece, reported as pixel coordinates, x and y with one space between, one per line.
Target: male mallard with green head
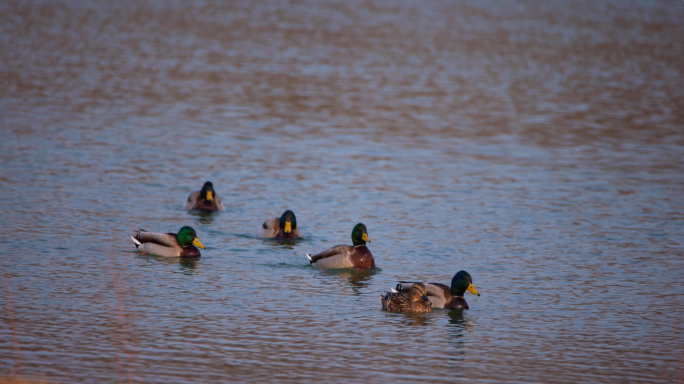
442 296
205 199
346 256
412 300
281 228
181 244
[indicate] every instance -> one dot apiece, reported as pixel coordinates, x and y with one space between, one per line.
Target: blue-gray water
540 147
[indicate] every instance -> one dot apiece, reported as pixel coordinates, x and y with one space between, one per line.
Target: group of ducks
405 297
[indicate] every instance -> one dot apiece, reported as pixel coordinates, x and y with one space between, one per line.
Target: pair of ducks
407 297
422 297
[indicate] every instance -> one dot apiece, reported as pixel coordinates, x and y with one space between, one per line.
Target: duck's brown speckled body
413 300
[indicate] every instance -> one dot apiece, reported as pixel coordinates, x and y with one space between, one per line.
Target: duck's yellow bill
197 243
210 196
472 290
288 227
365 238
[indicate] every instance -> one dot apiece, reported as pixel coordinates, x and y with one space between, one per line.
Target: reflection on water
203 217
187 265
415 319
357 279
536 145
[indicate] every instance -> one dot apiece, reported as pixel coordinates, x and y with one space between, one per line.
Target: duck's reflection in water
282 244
356 278
188 265
416 319
203 217
458 324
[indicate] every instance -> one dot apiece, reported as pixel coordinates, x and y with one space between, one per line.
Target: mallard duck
281 228
413 300
181 244
346 256
205 199
442 296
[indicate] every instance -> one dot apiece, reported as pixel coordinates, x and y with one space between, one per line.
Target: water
538 147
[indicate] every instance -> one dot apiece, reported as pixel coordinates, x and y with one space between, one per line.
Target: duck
181 244
442 296
346 256
205 199
412 300
280 228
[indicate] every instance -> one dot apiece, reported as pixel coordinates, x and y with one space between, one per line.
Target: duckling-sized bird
181 244
281 228
442 296
412 300
346 256
205 199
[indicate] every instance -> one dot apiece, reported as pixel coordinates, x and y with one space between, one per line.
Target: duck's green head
288 221
418 292
187 236
207 192
360 235
462 282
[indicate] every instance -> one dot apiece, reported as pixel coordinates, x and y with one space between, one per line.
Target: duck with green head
181 244
442 296
205 199
412 300
281 228
346 256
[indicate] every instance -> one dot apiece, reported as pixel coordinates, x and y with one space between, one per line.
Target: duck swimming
412 300
442 296
346 256
181 244
205 199
280 228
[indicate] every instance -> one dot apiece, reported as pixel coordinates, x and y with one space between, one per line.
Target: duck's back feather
343 256
160 250
333 258
270 227
439 294
166 239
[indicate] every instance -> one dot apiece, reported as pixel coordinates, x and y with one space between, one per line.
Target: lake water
540 147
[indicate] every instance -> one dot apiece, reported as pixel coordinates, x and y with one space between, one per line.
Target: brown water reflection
537 146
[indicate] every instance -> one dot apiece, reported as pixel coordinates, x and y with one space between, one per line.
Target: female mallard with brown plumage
412 300
181 244
346 256
442 296
281 228
205 199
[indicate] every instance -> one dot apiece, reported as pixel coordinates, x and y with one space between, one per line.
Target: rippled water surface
538 146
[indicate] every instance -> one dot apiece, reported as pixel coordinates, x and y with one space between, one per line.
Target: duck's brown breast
362 257
190 251
205 205
457 303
